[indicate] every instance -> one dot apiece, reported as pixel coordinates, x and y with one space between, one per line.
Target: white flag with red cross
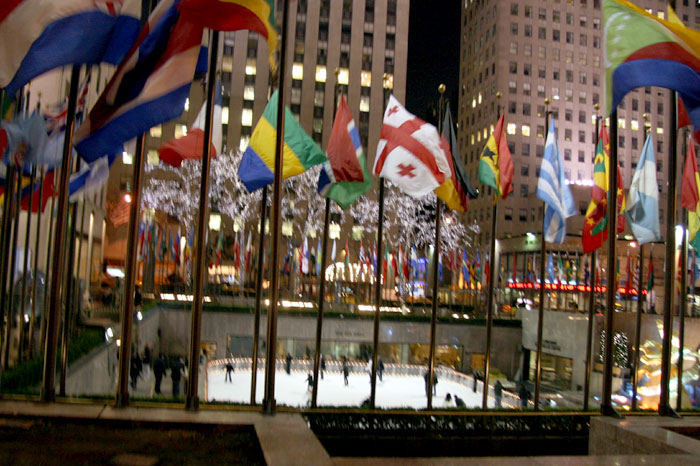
409 152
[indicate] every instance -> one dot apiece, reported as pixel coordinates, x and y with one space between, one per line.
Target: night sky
433 54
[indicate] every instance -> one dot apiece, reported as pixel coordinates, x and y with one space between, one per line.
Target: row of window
556 73
556 35
528 11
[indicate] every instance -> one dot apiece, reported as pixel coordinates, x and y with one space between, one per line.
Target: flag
249 252
595 230
374 257
319 254
40 35
300 151
191 146
628 285
690 197
25 139
554 191
234 15
219 247
456 189
560 270
90 178
345 176
148 88
550 268
645 50
46 194
347 255
465 267
477 267
487 271
362 259
643 197
406 265
410 153
440 268
515 268
119 215
495 163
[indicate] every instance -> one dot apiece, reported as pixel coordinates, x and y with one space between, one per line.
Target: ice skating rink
291 390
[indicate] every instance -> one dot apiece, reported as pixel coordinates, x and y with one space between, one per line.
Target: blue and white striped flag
554 191
549 268
643 198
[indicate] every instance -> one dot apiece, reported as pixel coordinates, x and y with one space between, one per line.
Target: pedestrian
498 392
474 375
288 364
310 381
229 370
175 376
426 377
346 370
523 394
460 402
159 372
435 382
448 400
380 369
134 369
323 365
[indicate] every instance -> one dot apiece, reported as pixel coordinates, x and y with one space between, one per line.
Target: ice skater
498 392
346 371
323 365
288 364
310 381
380 369
229 370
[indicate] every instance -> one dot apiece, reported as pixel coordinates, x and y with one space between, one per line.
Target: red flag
45 195
342 155
683 118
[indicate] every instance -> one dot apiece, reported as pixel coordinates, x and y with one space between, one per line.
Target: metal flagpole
640 288
377 297
127 317
540 311
258 297
5 251
322 278
32 315
13 264
664 406
192 400
436 260
68 293
591 302
54 305
606 404
81 230
269 405
683 305
47 273
25 265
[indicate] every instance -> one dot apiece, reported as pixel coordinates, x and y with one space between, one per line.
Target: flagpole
591 302
54 305
5 252
377 297
489 299
683 304
68 292
606 407
191 398
32 318
27 237
127 317
258 297
269 405
540 311
640 287
669 288
436 261
13 263
322 278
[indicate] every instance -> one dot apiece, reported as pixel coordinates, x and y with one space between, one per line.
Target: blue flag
554 191
643 198
550 268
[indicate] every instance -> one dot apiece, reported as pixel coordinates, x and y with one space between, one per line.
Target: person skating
474 387
229 371
523 394
310 381
135 369
176 376
346 370
158 372
380 369
288 364
460 402
498 392
323 365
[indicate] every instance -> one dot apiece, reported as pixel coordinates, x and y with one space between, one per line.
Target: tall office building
531 51
365 40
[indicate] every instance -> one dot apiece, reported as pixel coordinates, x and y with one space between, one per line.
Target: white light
110 333
530 235
115 272
127 158
139 316
26 318
119 343
679 233
215 222
167 296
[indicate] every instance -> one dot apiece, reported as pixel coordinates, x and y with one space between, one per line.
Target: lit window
244 143
486 133
388 81
364 103
659 131
180 131
594 118
227 64
366 79
249 92
479 98
320 74
621 123
298 71
474 102
156 131
343 76
634 124
127 158
526 130
224 116
152 157
318 125
247 117
512 128
250 67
